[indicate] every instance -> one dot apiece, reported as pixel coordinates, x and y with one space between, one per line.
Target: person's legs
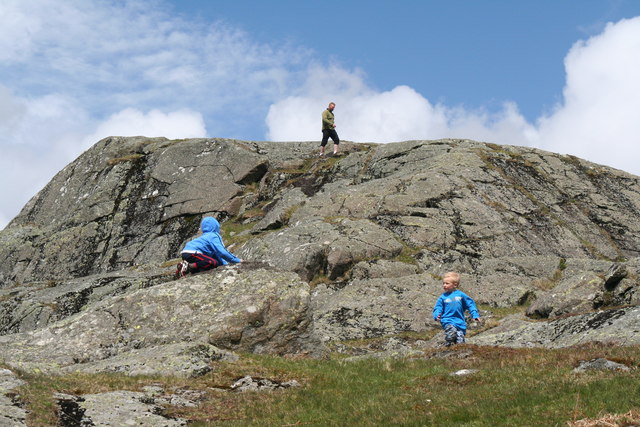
336 140
203 262
199 262
450 335
325 138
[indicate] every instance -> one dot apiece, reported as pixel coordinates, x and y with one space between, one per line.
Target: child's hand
438 318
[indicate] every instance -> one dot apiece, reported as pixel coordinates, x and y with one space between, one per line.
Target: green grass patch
512 387
231 232
515 387
124 159
318 279
501 312
408 255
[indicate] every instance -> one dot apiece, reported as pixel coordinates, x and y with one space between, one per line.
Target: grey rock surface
249 383
116 408
374 307
181 360
124 201
12 412
619 326
248 310
600 364
340 248
31 307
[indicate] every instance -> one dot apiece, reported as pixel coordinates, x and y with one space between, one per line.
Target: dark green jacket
327 119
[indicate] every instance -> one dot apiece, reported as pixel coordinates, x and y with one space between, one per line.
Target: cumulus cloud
174 125
596 120
39 136
73 72
366 115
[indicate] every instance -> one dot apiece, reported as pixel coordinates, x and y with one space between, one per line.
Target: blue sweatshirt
210 243
451 306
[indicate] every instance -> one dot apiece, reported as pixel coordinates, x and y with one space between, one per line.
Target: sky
559 75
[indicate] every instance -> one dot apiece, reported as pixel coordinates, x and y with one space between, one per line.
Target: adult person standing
329 129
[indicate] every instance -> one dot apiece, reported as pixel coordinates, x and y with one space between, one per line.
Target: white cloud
114 55
597 120
75 71
599 117
365 115
174 125
38 136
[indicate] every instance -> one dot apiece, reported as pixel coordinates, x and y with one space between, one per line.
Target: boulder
619 326
185 359
258 311
12 411
120 408
374 307
27 308
317 247
600 364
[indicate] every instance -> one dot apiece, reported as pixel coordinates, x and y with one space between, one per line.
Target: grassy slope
513 387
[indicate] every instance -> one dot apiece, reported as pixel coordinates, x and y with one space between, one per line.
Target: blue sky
560 75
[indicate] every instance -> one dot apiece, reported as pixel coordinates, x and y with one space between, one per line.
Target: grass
515 387
124 159
232 233
408 255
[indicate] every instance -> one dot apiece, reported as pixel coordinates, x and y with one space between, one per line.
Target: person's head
209 224
331 106
450 281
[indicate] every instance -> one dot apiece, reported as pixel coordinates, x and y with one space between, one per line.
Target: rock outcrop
338 248
12 412
252 311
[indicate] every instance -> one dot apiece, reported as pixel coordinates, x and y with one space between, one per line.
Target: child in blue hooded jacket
205 252
450 307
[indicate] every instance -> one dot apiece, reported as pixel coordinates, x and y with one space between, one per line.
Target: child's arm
217 247
471 306
437 310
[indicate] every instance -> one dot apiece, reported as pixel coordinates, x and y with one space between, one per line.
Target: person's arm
222 251
229 257
471 306
437 310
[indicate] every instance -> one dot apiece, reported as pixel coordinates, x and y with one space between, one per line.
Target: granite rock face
619 326
337 248
12 412
255 311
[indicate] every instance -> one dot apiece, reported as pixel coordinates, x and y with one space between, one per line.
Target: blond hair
453 275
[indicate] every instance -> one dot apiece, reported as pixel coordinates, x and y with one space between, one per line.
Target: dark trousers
329 133
201 261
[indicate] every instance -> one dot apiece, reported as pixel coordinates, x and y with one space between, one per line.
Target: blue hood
210 224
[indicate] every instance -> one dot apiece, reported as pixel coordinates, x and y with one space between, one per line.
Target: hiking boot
182 269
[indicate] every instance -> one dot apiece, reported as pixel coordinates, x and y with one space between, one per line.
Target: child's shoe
182 269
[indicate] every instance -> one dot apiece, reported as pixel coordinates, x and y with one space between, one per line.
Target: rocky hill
336 248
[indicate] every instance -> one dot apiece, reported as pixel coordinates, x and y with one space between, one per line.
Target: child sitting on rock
205 252
450 307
